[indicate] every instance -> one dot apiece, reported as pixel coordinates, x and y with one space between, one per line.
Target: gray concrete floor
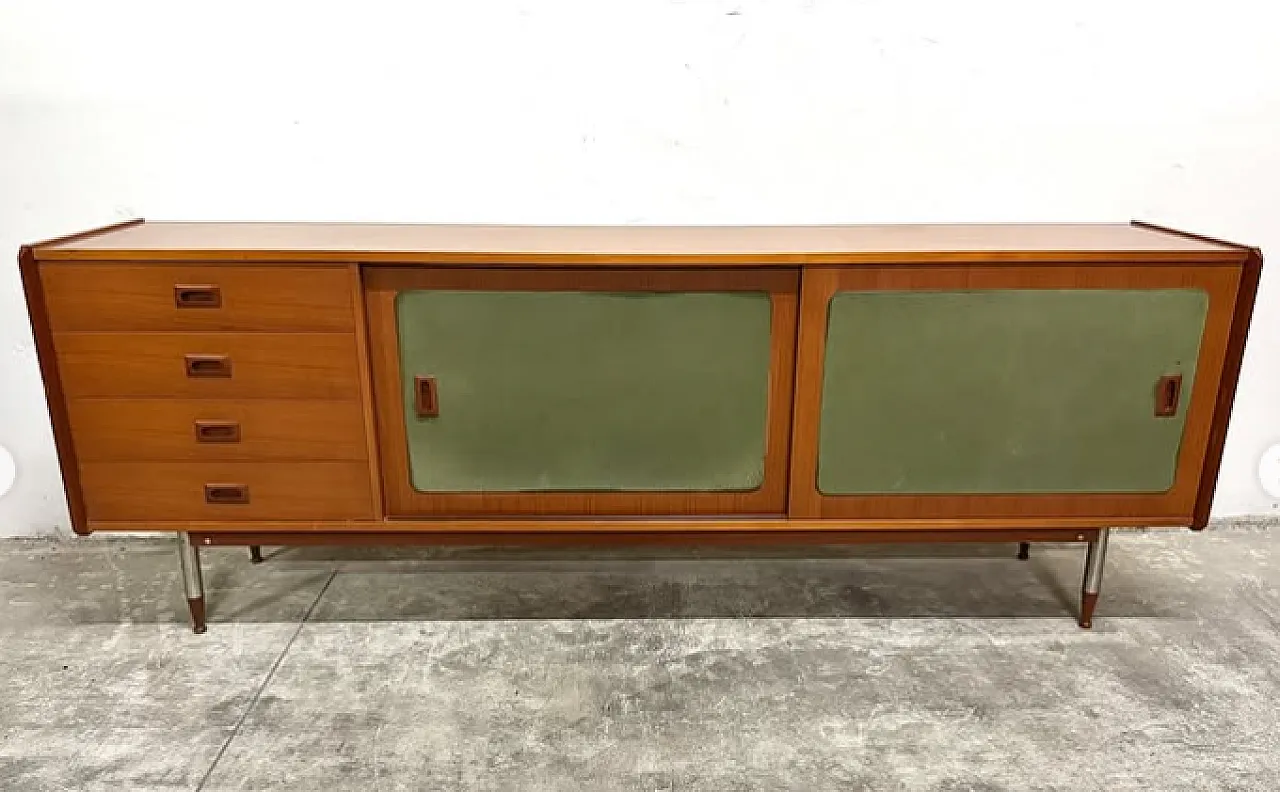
942 668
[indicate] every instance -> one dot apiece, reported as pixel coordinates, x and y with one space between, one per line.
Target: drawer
204 430
88 297
225 365
121 491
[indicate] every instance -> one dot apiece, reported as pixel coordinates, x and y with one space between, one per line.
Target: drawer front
90 297
122 491
216 430
209 365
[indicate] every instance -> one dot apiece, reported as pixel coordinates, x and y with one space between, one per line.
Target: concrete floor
944 668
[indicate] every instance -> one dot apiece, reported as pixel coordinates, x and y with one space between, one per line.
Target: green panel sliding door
1005 391
604 391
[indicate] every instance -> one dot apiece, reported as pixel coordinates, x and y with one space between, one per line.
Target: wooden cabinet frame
382 284
252 495
1174 507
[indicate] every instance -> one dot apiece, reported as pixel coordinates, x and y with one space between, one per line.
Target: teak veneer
286 383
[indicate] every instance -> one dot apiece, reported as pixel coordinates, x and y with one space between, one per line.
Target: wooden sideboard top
626 245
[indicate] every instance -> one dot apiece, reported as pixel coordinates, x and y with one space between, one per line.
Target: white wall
636 111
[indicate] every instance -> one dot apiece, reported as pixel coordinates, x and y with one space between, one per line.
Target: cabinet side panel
1246 296
62 437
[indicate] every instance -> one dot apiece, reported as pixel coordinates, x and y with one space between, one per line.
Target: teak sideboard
252 384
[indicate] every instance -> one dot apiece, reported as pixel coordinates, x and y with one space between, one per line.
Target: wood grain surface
112 429
344 535
91 297
263 365
630 245
136 492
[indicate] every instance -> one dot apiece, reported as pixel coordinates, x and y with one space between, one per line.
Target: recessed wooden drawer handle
202 296
1168 391
217 432
425 402
226 493
208 365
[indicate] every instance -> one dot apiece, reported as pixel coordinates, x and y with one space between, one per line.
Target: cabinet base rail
189 544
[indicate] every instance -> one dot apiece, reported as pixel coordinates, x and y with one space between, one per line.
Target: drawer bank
289 384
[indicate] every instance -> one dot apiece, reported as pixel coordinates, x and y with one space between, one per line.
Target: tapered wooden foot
1024 551
255 554
198 625
1087 603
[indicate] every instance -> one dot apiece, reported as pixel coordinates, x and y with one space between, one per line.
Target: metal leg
192 582
255 554
1093 564
1024 551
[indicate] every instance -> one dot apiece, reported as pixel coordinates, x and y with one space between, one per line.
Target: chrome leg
1094 561
192 581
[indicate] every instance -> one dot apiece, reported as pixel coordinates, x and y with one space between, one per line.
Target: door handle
1168 393
426 402
207 365
202 296
217 432
226 493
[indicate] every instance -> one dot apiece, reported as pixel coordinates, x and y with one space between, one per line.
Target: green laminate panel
1004 391
547 391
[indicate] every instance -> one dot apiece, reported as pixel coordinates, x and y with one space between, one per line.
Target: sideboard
286 384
